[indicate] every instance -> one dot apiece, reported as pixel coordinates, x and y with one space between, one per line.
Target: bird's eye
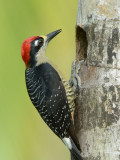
38 42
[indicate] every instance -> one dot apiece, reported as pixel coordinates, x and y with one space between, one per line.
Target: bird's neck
41 59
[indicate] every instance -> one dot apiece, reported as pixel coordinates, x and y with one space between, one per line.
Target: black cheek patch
34 50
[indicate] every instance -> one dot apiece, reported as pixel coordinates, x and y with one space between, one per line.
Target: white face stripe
36 42
67 142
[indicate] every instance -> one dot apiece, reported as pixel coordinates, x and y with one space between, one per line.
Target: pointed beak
52 35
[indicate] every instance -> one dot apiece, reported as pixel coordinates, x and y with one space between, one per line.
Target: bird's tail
75 153
75 156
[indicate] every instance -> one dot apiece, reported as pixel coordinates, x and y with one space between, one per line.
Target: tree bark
97 113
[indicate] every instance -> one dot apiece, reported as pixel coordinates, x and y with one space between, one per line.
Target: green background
23 134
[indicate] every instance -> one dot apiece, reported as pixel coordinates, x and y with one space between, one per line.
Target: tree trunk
97 114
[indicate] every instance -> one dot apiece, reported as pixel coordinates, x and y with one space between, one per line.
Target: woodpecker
49 92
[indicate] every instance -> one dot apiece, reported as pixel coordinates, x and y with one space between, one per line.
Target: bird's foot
75 81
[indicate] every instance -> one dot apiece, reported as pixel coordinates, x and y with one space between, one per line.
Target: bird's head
33 49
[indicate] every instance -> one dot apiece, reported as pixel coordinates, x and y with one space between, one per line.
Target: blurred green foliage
23 134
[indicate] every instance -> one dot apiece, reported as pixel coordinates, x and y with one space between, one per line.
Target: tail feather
72 158
75 153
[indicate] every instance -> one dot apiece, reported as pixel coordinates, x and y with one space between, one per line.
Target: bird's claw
75 81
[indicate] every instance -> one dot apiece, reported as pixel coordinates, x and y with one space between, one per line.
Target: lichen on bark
97 114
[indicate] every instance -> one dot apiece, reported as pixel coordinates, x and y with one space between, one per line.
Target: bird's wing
47 92
69 92
58 105
58 110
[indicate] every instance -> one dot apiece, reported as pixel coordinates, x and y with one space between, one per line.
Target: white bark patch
92 76
104 142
